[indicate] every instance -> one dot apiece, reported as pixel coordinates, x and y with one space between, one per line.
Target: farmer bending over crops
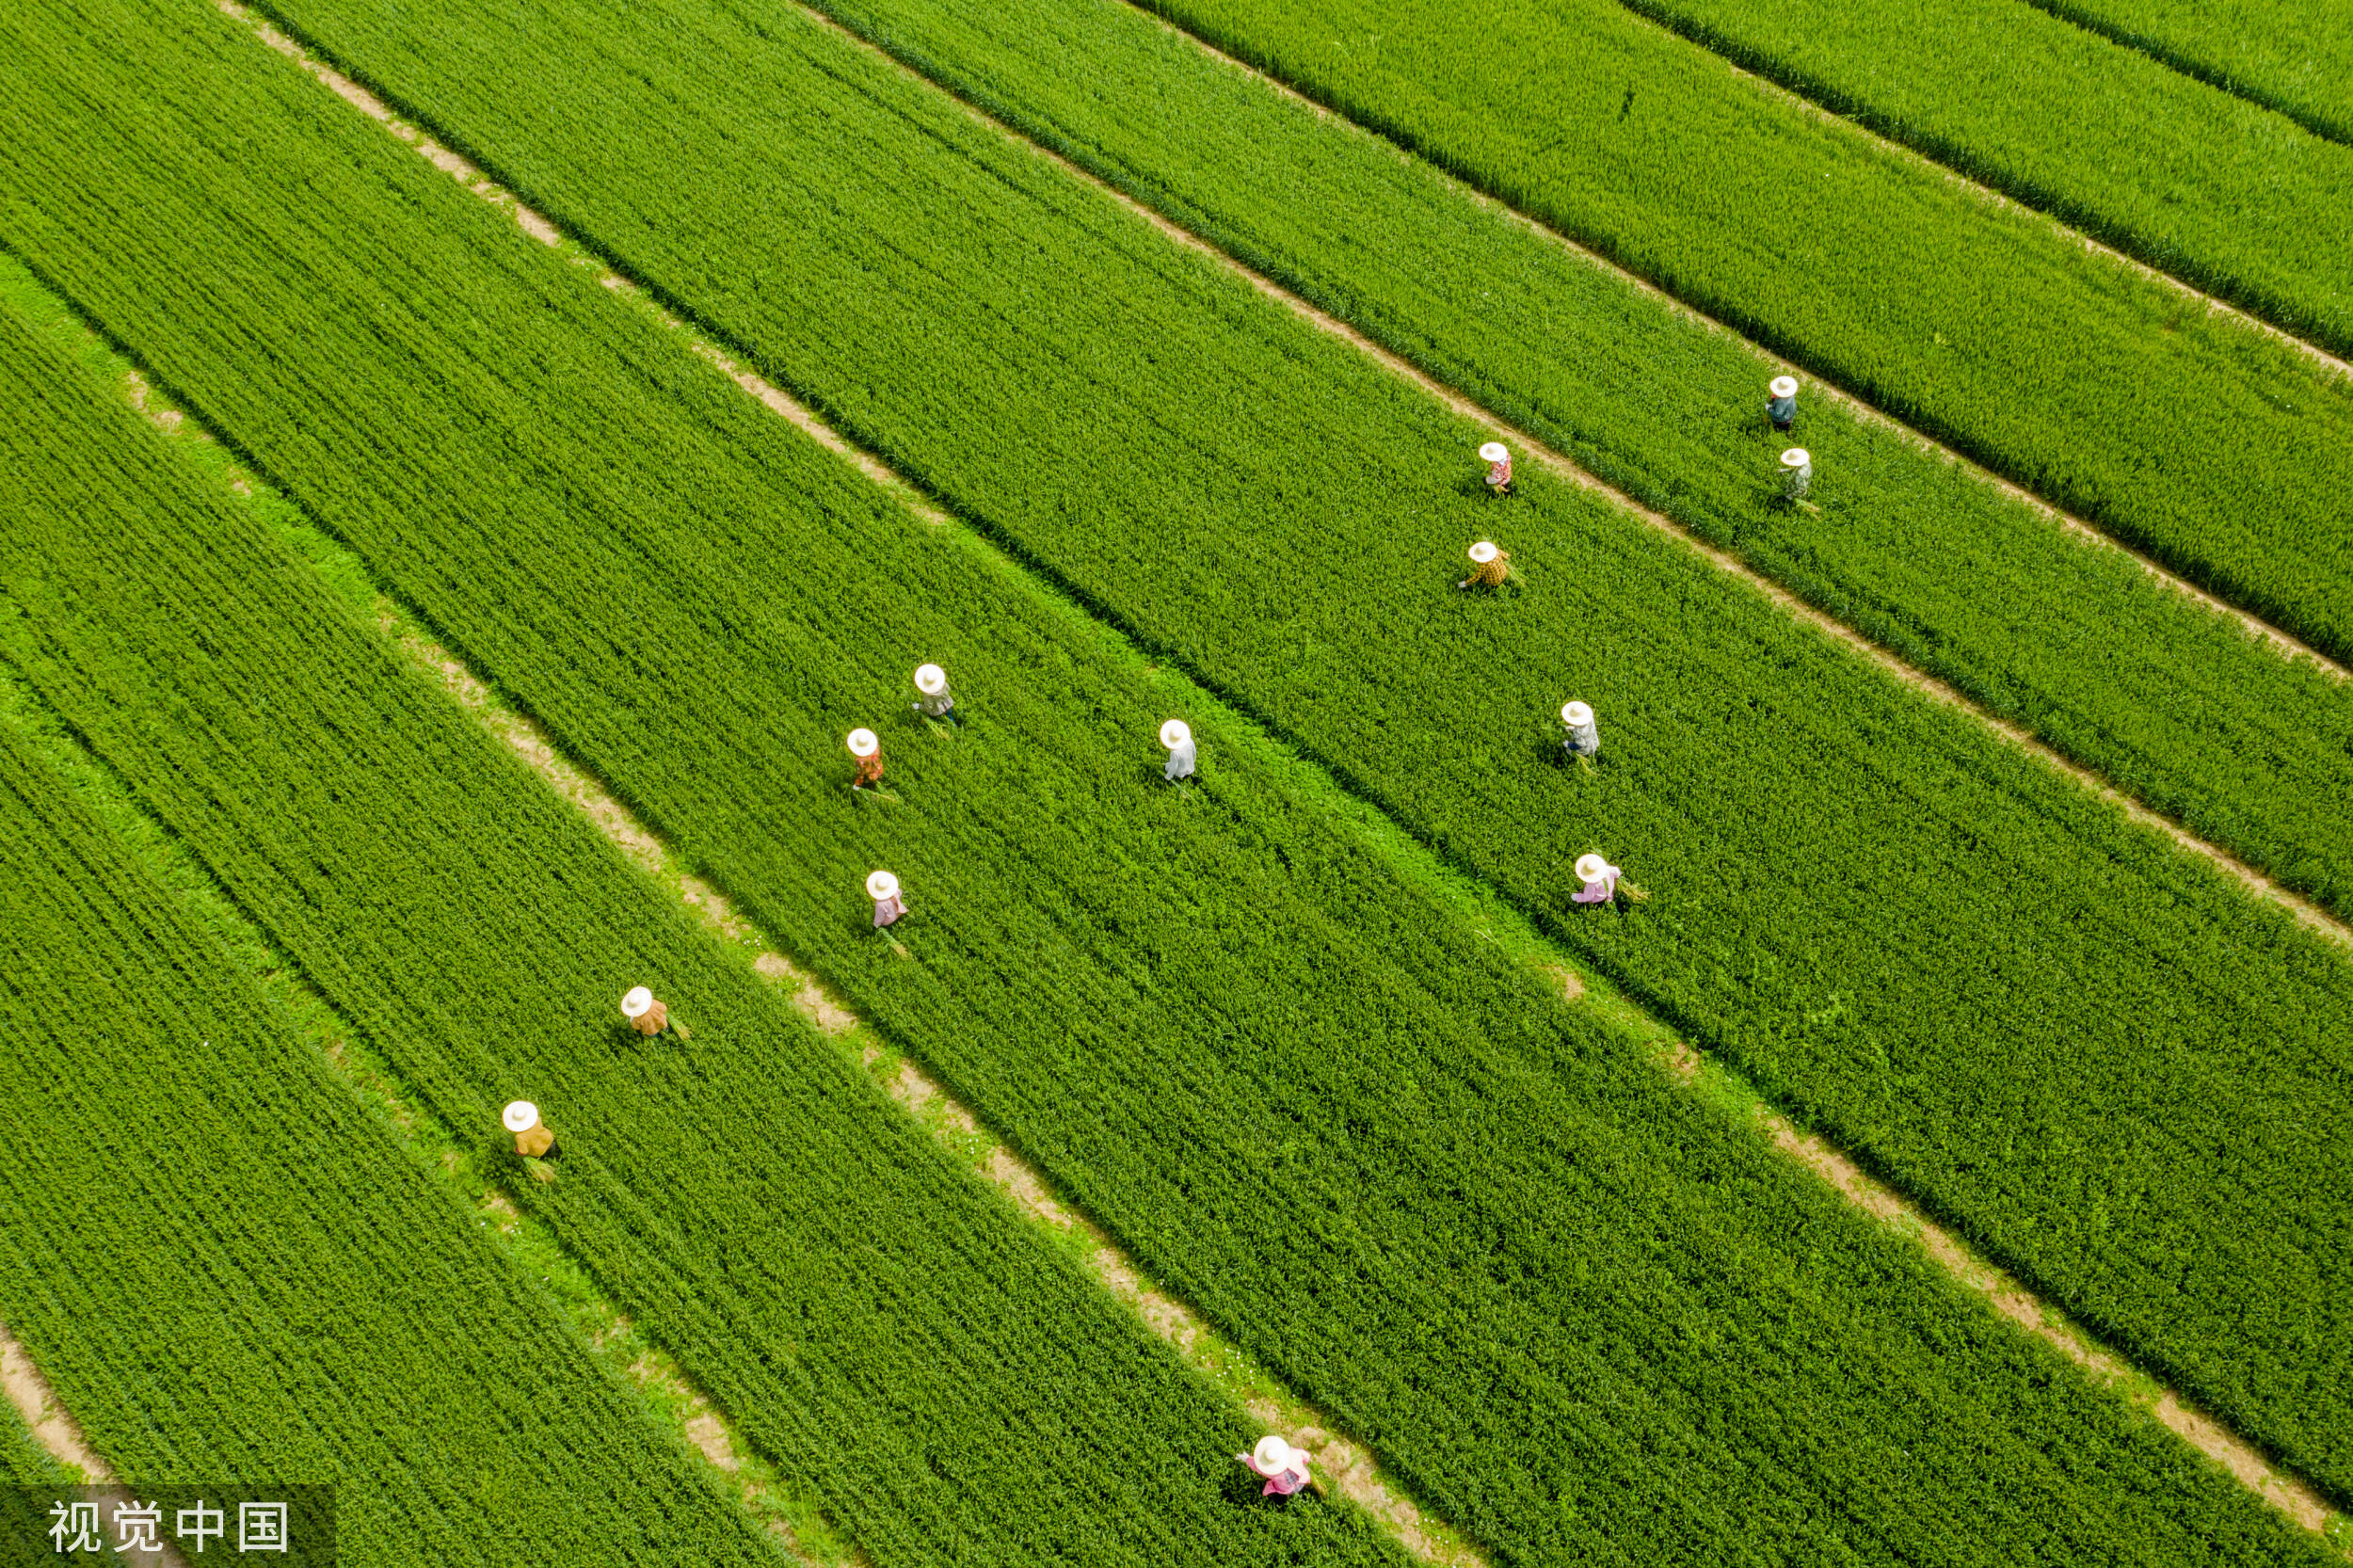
1284 1467
1584 739
937 702
1178 736
647 1015
1601 881
1499 457
867 747
1797 473
533 1138
1489 566
883 888
1783 409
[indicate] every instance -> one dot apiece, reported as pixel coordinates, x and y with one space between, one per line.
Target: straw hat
1797 456
634 1004
1176 732
1576 712
1482 552
863 743
1273 1455
1495 452
930 679
520 1117
1592 868
1784 386
881 885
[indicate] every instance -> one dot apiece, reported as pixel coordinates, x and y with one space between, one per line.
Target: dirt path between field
1772 364
1343 1465
30 1392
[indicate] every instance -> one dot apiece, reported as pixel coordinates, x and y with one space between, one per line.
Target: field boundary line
2182 65
1701 39
2300 908
2015 1302
1198 1343
2287 645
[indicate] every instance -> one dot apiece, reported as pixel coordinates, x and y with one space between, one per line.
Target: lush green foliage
1571 1304
2174 704
230 1271
23 1461
2296 58
2221 453
2219 192
2094 1055
872 1316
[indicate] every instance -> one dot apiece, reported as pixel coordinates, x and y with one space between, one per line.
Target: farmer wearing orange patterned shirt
867 747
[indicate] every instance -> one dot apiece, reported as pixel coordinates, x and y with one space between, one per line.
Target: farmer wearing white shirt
937 702
1797 473
1178 736
1584 740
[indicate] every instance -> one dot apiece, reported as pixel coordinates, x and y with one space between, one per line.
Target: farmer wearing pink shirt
1498 458
1601 881
883 888
1283 1466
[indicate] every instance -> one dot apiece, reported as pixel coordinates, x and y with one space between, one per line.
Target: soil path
1340 1462
30 1392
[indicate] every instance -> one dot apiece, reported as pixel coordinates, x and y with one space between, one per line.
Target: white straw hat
1271 1453
1592 868
930 679
1576 712
1495 452
634 1004
520 1117
1797 456
1784 386
881 885
1176 732
863 742
1482 552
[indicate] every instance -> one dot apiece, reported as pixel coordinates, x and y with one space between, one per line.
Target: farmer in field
883 888
1177 737
1796 473
1783 408
1489 566
867 747
1498 460
1283 1467
937 700
1602 882
646 1015
1584 739
531 1137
